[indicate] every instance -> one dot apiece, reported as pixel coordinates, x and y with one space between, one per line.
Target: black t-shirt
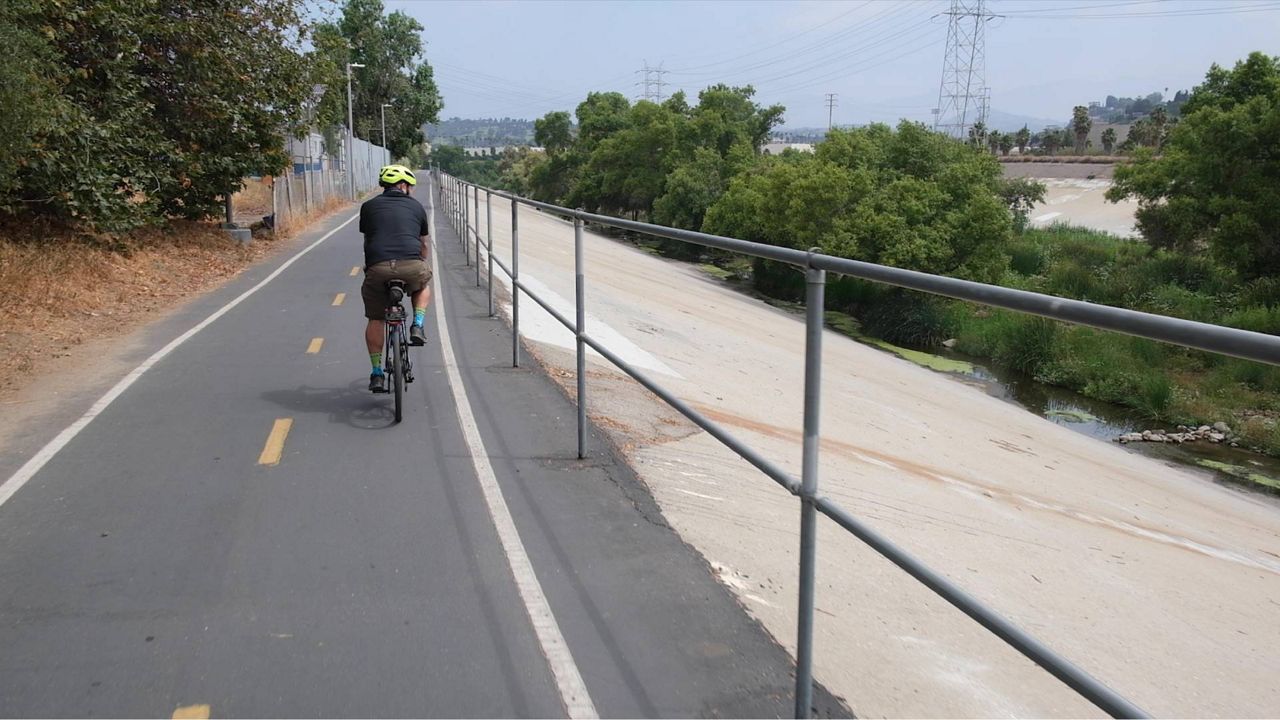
392 224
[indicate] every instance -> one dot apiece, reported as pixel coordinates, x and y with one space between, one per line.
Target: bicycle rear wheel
397 369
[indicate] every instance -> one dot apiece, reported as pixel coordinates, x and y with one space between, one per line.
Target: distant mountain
481 132
999 120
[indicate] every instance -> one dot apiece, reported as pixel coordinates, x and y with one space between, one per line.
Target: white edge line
46 453
573 691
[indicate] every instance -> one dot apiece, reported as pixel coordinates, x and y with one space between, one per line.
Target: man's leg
421 298
374 336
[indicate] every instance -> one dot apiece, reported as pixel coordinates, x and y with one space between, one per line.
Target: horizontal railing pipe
763 464
554 313
1187 333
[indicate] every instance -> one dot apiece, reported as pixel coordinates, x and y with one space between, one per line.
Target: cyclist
396 247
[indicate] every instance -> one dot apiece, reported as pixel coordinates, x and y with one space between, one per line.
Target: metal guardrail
1227 341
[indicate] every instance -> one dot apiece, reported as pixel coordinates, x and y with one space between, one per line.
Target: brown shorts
414 273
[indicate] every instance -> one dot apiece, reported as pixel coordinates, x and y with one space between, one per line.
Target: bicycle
396 354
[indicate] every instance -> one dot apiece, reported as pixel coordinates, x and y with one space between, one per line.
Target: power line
832 99
784 41
1183 12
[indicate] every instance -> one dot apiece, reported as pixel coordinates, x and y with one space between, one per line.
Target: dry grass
253 201
288 226
61 286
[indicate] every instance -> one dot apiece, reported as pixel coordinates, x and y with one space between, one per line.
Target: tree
449 158
1159 126
554 132
390 48
150 119
1214 183
1007 141
907 197
1051 140
1021 194
1023 138
993 141
1108 140
1081 124
978 134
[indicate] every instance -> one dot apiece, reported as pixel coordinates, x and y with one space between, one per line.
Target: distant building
495 150
776 148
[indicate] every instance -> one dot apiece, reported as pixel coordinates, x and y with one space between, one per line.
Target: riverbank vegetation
907 197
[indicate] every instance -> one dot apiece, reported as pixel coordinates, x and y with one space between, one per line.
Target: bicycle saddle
395 290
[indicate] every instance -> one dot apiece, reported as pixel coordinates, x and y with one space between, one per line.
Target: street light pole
351 135
384 124
386 154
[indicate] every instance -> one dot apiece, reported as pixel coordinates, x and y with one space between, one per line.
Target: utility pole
384 125
831 108
963 97
652 82
351 136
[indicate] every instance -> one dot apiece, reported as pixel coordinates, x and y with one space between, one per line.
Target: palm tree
978 134
1023 139
1108 140
1159 121
1051 142
1081 124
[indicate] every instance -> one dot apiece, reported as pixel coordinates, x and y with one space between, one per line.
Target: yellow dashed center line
274 448
337 299
191 712
355 271
315 345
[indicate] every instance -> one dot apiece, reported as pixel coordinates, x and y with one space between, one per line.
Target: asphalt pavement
245 532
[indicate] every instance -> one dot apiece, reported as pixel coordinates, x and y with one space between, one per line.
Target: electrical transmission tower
653 82
832 99
963 97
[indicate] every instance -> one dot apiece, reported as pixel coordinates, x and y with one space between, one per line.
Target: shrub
1027 257
1263 291
908 318
1179 302
1028 345
1257 318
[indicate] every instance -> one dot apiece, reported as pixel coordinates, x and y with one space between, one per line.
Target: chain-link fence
319 179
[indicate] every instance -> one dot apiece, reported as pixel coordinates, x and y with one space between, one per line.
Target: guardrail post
488 230
476 215
815 291
580 302
515 284
466 224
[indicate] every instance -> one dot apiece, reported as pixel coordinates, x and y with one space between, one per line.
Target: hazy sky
883 57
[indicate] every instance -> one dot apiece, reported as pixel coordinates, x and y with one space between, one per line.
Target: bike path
154 564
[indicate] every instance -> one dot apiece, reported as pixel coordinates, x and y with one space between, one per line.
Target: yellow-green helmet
392 174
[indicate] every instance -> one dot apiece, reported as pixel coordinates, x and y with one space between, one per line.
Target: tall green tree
395 73
1215 183
907 197
554 132
150 109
